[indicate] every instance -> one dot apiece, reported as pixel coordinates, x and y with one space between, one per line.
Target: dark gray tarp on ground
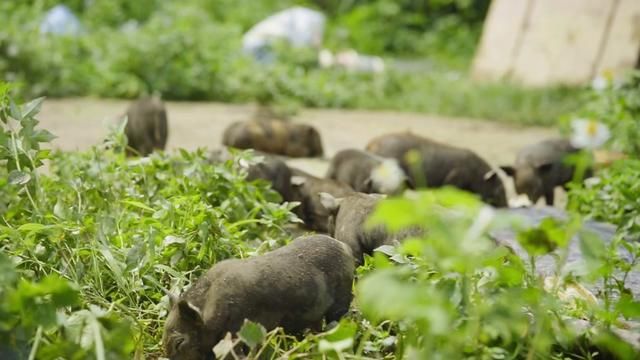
546 264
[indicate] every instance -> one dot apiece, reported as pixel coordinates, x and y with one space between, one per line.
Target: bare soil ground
80 123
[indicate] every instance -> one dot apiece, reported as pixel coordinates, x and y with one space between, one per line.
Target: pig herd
309 281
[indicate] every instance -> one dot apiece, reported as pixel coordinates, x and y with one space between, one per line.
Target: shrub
614 197
118 231
616 104
455 295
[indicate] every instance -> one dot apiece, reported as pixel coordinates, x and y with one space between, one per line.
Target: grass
455 94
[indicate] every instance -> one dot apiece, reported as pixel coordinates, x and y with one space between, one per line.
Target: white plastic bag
298 25
351 60
60 20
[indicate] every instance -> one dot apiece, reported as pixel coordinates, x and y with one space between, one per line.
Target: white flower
602 81
599 83
388 177
588 134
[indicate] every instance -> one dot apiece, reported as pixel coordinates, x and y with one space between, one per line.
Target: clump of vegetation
192 51
89 246
118 231
616 103
444 30
613 195
463 297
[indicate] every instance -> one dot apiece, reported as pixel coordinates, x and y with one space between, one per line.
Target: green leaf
536 242
62 350
452 197
59 209
619 348
32 227
543 239
136 255
63 292
7 271
184 153
17 177
137 204
170 240
43 136
38 302
43 154
593 248
394 213
412 247
5 138
388 250
85 329
340 346
346 329
402 300
14 110
32 108
628 307
115 266
252 333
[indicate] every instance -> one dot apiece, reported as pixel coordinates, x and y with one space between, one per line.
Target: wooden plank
561 42
500 39
622 47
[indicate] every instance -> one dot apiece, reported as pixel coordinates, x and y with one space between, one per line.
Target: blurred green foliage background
191 50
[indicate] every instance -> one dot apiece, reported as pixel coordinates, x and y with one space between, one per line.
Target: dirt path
80 123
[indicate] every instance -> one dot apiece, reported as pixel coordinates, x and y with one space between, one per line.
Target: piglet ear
409 183
543 168
329 202
368 185
298 180
489 175
190 312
